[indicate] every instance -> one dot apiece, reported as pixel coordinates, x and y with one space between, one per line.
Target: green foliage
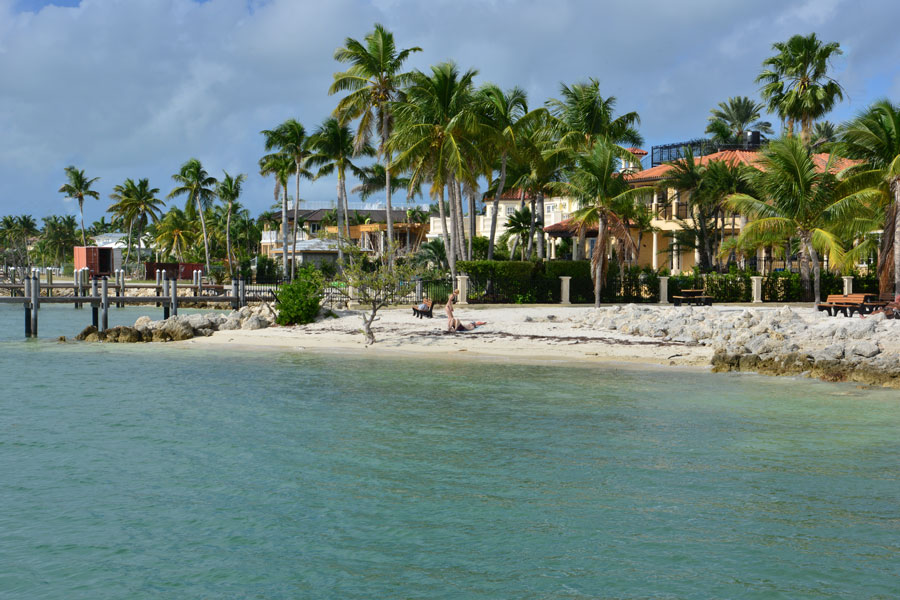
486 269
300 300
568 268
266 269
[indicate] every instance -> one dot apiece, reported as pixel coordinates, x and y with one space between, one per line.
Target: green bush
568 268
266 269
299 301
511 269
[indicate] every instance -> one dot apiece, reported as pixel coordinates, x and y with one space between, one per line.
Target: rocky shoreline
782 341
183 327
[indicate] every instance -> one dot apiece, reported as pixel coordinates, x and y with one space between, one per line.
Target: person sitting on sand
448 308
457 325
889 310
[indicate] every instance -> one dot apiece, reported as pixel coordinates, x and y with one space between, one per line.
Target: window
510 210
551 208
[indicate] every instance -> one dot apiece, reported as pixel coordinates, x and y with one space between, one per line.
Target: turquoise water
160 472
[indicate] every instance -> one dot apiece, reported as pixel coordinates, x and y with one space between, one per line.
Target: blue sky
133 88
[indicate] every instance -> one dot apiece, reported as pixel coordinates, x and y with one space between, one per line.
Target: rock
177 329
87 331
833 352
143 322
160 335
231 323
254 322
61 339
128 335
865 348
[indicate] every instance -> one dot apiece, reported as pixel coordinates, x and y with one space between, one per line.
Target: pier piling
95 310
174 300
27 293
104 303
35 303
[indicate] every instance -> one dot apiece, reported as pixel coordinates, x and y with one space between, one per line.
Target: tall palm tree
199 187
687 177
793 199
229 190
79 187
733 117
437 138
373 81
874 137
595 179
290 138
505 115
796 84
520 227
333 147
281 166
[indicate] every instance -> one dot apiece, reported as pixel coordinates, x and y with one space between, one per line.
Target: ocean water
159 472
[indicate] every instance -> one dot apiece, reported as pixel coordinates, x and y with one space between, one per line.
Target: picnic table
694 297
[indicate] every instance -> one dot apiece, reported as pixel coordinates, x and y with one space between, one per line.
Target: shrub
504 269
299 301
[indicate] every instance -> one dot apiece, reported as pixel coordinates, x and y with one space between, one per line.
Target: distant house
310 251
371 234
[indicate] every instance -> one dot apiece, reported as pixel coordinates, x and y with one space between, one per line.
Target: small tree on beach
373 283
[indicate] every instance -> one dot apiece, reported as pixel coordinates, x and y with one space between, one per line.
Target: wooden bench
424 313
846 304
693 297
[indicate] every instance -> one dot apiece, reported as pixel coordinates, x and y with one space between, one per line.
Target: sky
133 88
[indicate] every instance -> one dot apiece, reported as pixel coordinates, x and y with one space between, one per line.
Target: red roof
513 194
568 228
637 151
739 157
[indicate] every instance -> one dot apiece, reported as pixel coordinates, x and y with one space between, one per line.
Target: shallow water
152 471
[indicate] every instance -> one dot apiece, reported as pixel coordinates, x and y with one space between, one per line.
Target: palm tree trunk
597 259
294 233
805 266
387 185
140 235
471 221
228 240
81 210
128 245
460 220
814 257
340 219
451 250
443 215
530 250
896 241
500 184
540 239
205 237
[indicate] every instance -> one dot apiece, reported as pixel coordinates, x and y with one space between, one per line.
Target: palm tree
505 115
599 184
333 147
733 117
793 199
437 138
175 233
59 236
433 252
194 182
136 204
79 187
229 190
583 117
373 81
686 176
796 84
290 138
874 137
519 226
281 166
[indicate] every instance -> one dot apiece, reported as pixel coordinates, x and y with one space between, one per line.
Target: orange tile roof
637 151
568 228
740 157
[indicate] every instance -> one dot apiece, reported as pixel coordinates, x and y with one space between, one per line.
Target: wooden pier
97 295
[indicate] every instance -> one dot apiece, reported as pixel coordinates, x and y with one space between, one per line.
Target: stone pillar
654 258
564 289
663 290
756 285
552 244
848 284
654 205
462 282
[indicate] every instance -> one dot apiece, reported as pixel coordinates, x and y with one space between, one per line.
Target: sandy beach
534 333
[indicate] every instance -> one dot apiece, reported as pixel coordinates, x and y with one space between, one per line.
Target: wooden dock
97 296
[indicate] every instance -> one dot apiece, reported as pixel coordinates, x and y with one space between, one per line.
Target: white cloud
132 88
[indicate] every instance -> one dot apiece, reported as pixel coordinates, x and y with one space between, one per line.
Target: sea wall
781 341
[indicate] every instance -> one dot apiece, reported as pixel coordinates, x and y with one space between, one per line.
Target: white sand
521 334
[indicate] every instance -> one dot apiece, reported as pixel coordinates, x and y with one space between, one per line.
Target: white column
552 243
654 259
564 289
756 284
848 284
462 283
654 206
663 290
